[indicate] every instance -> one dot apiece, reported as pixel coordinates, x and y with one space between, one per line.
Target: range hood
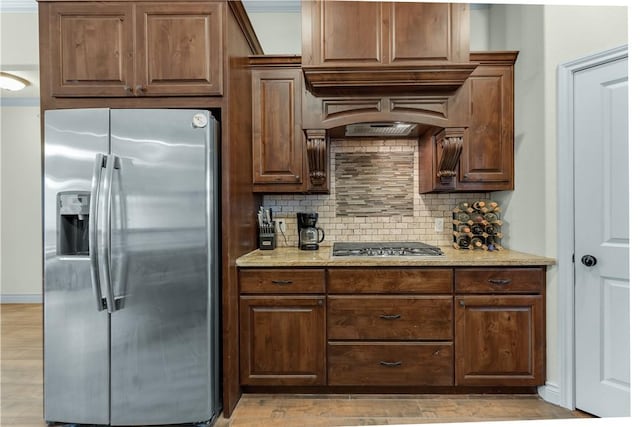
379 129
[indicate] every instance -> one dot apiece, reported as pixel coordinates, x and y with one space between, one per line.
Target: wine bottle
491 216
462 241
477 242
462 217
480 206
492 206
477 229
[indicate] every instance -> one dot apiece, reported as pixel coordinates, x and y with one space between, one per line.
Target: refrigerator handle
105 234
93 229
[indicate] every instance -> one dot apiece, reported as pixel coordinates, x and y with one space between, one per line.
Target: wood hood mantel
323 81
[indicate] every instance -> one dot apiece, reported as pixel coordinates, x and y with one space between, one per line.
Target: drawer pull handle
389 316
500 281
390 364
282 282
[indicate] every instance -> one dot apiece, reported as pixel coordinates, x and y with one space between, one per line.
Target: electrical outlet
282 226
439 225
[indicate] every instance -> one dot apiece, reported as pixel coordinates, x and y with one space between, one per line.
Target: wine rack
477 225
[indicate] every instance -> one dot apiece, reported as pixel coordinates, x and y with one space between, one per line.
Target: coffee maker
308 234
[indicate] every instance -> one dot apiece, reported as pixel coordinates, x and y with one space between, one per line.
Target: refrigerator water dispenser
73 223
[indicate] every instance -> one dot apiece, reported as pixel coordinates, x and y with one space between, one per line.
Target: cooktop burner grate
385 249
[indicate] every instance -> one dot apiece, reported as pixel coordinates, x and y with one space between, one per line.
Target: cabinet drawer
390 280
380 363
500 280
390 318
282 281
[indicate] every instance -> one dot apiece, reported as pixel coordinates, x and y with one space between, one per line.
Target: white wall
546 36
279 33
21 247
19 37
20 220
479 32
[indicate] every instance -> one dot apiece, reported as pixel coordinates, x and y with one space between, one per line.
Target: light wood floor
21 394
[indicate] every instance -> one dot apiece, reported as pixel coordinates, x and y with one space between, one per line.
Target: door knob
589 260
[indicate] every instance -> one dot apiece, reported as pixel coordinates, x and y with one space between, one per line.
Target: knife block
267 237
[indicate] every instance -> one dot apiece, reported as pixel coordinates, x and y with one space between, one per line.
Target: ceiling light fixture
11 82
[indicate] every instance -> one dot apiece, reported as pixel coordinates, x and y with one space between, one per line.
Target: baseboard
20 299
550 392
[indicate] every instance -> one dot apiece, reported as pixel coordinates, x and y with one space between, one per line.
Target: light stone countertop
293 257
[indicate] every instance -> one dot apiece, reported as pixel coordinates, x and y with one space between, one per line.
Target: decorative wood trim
502 57
333 108
275 61
323 80
317 156
240 13
429 106
450 141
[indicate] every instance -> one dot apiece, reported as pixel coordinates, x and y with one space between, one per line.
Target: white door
602 239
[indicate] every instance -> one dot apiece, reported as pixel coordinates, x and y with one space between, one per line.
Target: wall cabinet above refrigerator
133 49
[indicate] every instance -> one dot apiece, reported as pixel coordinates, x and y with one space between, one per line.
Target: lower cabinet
499 340
419 327
390 327
282 327
500 322
390 363
282 340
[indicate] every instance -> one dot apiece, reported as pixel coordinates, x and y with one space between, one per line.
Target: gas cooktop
385 249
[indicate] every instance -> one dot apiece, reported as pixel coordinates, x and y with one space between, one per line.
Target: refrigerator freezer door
76 334
162 331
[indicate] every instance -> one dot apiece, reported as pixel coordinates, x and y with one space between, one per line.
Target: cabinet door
486 162
349 33
428 32
179 49
277 134
91 49
499 341
282 340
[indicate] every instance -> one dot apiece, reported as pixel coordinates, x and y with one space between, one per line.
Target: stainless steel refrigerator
131 303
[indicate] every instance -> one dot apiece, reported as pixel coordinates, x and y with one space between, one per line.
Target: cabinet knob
282 282
140 88
461 302
320 302
128 89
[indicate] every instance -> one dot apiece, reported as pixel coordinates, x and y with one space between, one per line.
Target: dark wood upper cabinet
278 162
487 155
92 49
428 32
352 33
135 49
486 162
179 48
383 47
